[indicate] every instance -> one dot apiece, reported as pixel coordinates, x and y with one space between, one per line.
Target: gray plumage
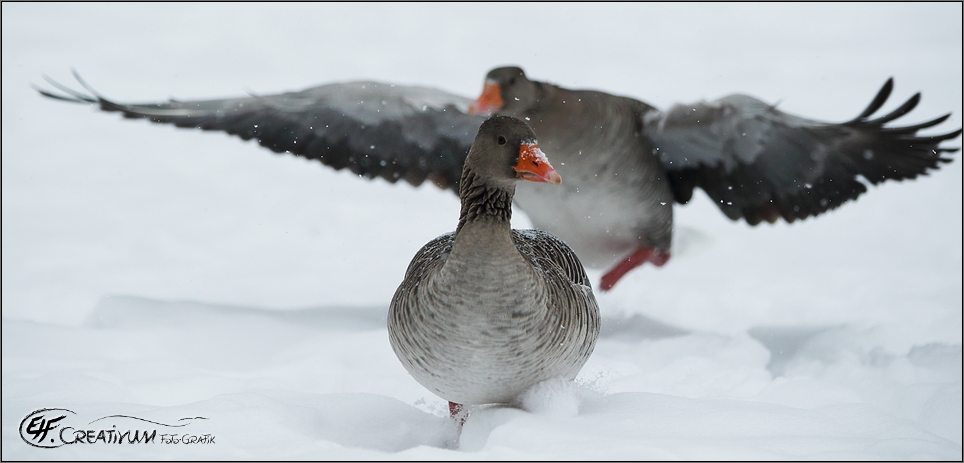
616 195
485 312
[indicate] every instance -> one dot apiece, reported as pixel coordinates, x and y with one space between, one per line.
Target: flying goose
626 163
486 312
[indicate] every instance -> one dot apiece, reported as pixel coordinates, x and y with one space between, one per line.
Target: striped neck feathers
482 200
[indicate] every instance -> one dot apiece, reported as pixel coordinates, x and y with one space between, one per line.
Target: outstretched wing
759 163
373 129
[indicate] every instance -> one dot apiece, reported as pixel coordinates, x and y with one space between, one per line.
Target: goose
486 312
626 162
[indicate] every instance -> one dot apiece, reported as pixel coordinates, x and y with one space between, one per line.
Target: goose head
506 150
506 89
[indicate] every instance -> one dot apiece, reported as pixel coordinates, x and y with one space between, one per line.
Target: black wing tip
878 101
85 84
75 96
70 95
882 95
864 121
49 94
946 136
91 97
903 109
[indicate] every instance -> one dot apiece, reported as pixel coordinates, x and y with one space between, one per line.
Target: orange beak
534 167
489 102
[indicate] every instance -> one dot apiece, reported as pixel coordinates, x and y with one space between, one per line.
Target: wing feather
758 163
373 129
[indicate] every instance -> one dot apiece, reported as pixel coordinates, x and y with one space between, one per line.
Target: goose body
486 312
614 198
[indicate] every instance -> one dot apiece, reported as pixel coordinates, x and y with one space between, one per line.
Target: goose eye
501 140
511 80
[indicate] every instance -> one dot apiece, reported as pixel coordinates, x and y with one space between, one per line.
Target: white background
167 272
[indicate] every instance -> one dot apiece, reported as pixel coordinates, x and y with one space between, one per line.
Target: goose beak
489 102
534 167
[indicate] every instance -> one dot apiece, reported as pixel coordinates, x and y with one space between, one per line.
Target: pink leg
457 413
642 255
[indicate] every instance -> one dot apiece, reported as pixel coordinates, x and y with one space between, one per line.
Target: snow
167 273
533 149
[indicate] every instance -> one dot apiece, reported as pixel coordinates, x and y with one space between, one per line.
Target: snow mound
555 396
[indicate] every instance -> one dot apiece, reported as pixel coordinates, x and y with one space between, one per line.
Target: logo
55 427
37 425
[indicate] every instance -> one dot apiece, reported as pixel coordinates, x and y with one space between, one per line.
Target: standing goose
486 312
626 163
